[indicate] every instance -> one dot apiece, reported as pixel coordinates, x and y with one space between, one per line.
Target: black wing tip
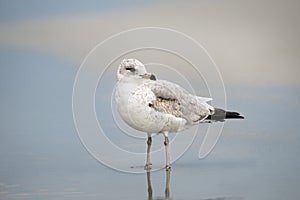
221 115
234 115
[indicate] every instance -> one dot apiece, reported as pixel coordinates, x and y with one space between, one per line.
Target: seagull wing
173 99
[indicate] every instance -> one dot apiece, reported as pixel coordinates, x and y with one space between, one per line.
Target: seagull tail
221 115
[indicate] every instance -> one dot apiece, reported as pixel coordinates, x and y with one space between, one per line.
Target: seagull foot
168 167
148 166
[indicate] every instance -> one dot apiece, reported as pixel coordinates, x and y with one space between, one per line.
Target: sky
255 46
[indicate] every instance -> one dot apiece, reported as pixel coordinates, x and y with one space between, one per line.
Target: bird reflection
168 194
167 188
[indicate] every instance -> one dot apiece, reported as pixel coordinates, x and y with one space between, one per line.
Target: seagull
160 107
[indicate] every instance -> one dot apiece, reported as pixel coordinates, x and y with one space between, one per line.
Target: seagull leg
167 147
149 142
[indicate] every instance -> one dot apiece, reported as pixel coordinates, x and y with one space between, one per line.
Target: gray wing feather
173 99
167 90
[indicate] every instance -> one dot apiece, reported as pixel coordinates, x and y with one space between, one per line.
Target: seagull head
131 67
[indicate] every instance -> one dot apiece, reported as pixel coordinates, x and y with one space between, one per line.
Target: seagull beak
148 76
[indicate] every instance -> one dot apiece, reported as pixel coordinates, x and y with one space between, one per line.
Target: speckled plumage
156 106
170 106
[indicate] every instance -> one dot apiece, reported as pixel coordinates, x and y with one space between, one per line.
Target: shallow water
240 167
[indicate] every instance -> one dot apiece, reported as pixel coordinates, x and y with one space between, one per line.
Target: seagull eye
130 69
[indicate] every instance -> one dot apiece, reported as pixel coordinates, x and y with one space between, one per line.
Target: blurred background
256 46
